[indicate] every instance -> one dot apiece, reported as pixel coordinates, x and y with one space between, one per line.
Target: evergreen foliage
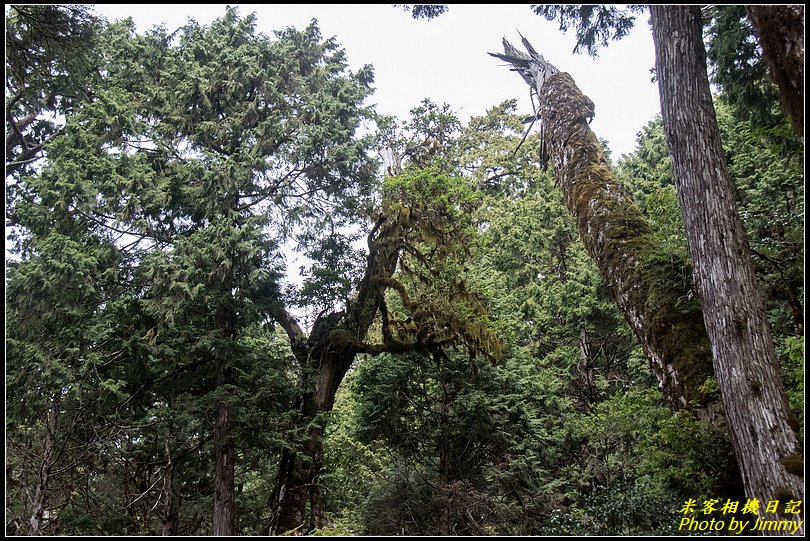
492 387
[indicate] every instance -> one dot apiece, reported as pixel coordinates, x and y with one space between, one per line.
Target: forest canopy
240 300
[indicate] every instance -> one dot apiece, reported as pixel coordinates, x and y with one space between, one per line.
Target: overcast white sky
446 59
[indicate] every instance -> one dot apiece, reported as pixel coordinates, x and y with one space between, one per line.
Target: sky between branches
446 59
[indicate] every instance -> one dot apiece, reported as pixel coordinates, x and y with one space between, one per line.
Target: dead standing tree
653 292
617 237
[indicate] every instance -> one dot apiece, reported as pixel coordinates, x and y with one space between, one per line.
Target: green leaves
50 66
150 262
738 68
151 249
595 25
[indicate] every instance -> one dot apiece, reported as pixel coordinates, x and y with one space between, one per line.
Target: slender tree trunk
444 463
224 505
585 369
744 358
224 519
40 499
171 505
780 30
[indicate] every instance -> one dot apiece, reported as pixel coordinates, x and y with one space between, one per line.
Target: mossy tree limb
651 287
408 247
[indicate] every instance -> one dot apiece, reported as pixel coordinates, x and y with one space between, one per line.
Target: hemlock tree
744 358
50 66
200 152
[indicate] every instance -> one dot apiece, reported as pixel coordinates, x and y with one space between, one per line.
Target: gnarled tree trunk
653 292
325 356
744 358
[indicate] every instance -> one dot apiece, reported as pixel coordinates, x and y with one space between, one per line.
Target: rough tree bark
40 499
224 518
745 362
780 30
325 356
653 292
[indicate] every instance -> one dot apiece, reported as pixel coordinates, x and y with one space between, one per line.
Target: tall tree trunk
780 30
40 499
224 522
744 358
296 497
651 288
652 292
224 519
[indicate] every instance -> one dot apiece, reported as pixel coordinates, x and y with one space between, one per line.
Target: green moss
651 278
340 338
783 494
794 464
676 320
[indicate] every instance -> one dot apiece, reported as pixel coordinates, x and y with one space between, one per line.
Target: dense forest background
448 358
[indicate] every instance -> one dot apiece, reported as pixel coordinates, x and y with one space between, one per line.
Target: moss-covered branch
651 287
